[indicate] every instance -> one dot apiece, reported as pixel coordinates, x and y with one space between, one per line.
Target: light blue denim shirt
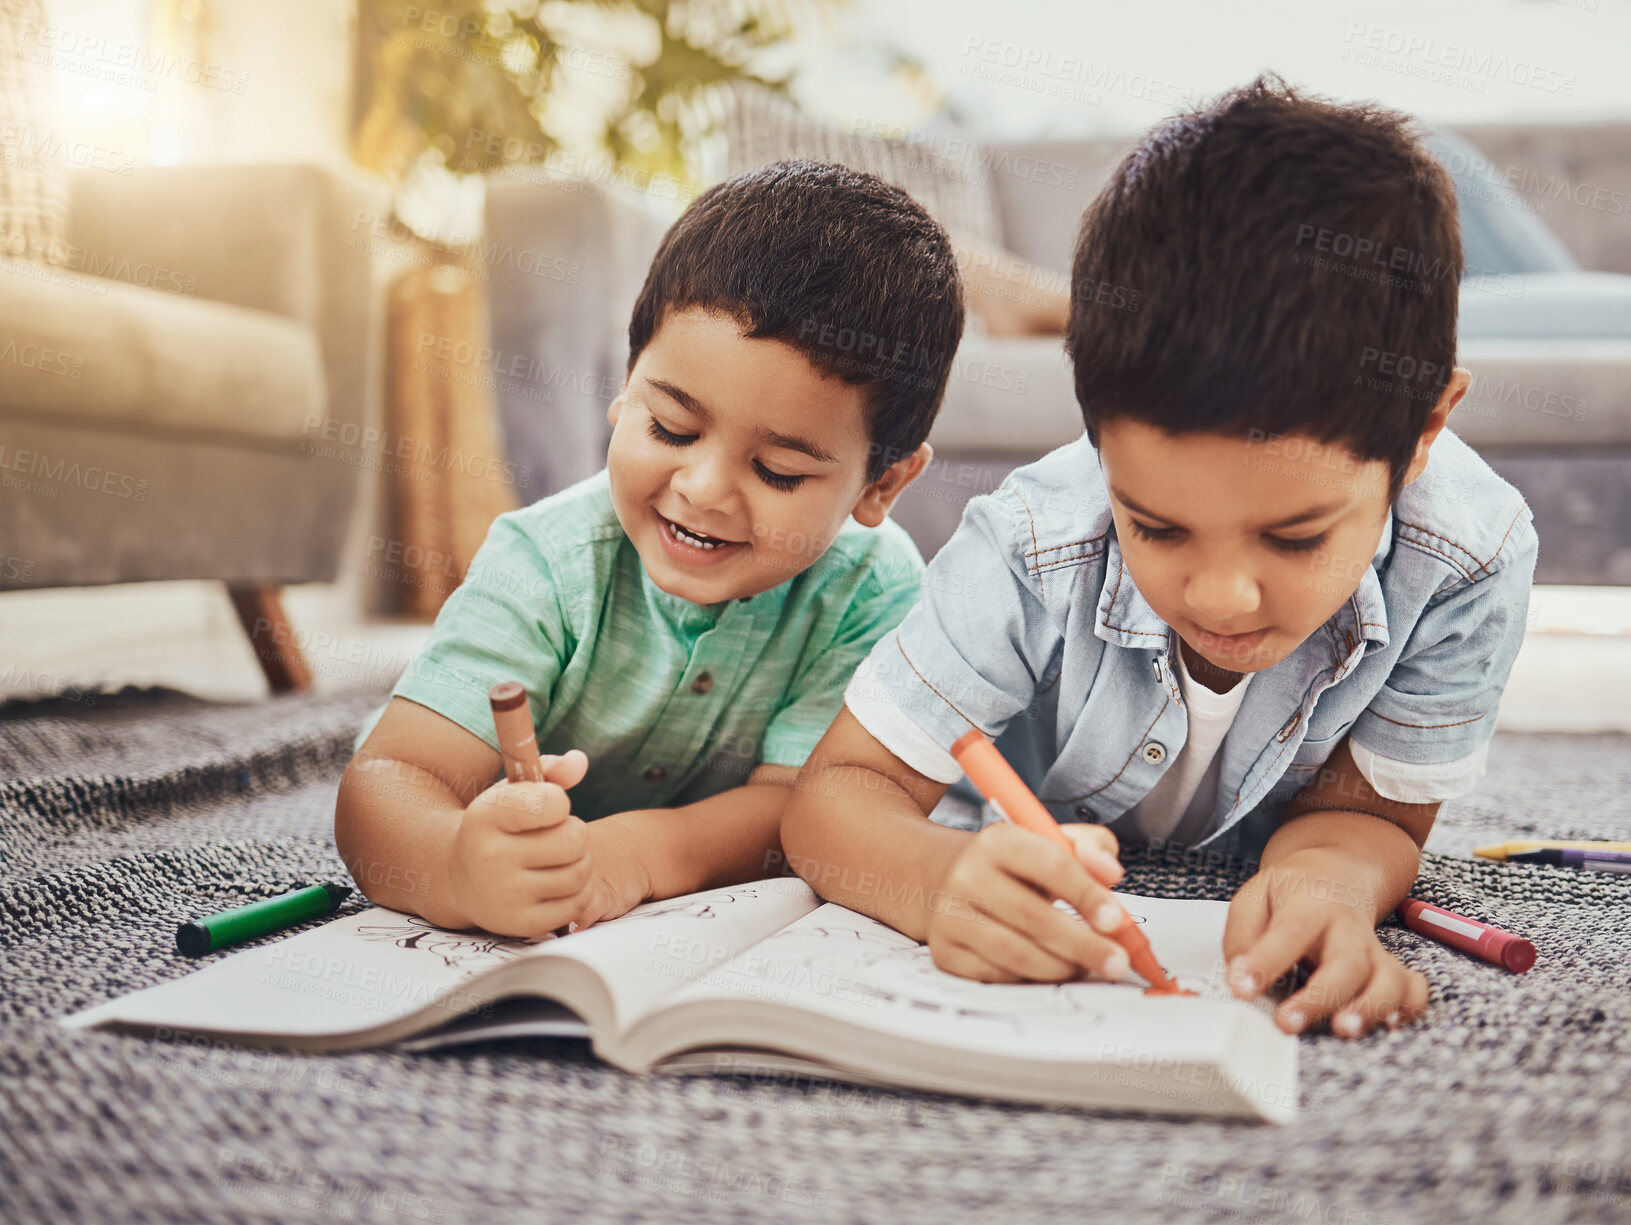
1031 629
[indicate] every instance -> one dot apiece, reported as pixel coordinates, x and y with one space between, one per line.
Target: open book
762 978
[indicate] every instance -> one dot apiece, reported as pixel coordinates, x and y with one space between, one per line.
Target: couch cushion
1015 396
99 349
944 173
1009 395
1552 395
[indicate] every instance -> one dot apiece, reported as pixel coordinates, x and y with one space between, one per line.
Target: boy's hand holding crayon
524 865
992 917
520 864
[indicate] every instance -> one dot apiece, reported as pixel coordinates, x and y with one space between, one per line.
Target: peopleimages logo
1361 249
1458 57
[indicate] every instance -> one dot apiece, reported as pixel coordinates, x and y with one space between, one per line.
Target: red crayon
1469 935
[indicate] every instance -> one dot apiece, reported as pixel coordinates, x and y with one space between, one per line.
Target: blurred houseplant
625 92
632 87
444 95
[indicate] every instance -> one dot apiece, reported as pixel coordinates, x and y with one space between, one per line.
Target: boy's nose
702 482
1216 596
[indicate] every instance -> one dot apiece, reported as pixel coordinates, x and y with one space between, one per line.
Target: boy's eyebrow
791 442
1302 516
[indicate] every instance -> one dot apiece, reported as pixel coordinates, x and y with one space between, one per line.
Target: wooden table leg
260 612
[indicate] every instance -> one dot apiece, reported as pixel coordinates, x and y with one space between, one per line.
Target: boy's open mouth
686 539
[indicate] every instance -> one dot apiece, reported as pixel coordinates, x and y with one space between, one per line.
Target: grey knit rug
126 813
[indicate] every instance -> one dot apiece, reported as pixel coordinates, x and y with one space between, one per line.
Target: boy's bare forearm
725 839
859 839
394 825
1374 857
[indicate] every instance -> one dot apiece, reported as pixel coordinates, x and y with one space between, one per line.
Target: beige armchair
185 399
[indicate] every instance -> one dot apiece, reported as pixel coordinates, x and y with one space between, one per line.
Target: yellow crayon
1503 849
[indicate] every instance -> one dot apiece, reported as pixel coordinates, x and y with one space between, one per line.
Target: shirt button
702 684
1083 811
1155 752
656 774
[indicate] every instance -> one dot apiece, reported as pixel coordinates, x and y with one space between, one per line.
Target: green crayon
259 918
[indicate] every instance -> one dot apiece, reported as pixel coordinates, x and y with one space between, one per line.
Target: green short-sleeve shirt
672 701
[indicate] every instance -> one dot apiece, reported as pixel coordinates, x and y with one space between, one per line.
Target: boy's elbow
792 818
354 832
802 816
346 824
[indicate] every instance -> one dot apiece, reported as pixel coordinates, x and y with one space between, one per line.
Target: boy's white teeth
691 538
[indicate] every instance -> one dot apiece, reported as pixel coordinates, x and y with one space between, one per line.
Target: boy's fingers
544 918
1247 917
1283 943
552 884
1015 952
566 770
1416 996
960 959
1344 969
588 916
525 807
556 847
1011 880
1395 996
1370 1006
1043 866
1098 835
1029 935
1096 849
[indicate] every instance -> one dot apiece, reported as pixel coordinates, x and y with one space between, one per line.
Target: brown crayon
512 720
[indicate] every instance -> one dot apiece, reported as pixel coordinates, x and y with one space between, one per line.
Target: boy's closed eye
1286 544
776 480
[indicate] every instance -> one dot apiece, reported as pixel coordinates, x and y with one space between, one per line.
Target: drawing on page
458 950
915 983
878 935
705 907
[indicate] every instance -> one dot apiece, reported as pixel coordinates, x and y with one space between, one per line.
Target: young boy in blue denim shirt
1266 606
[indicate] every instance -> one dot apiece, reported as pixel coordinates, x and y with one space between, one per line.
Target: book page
659 947
349 975
846 965
366 970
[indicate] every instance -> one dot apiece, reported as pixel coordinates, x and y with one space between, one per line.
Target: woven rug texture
125 814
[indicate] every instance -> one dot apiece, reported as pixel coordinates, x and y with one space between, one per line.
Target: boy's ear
879 496
1460 380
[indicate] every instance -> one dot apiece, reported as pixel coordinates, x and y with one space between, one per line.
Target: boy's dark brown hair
1271 264
847 269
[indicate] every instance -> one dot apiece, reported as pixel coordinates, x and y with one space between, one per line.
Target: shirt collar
1368 601
1124 616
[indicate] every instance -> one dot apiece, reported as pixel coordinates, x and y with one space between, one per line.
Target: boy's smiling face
1245 547
743 440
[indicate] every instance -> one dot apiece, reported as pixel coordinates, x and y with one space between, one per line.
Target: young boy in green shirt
685 620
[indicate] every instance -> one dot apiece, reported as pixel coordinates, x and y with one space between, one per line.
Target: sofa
1549 346
178 388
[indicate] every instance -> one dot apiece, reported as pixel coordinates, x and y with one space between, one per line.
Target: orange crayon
1013 800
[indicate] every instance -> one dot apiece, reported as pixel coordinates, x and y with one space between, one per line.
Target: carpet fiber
128 813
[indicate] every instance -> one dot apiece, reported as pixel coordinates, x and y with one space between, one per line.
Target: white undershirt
1179 807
